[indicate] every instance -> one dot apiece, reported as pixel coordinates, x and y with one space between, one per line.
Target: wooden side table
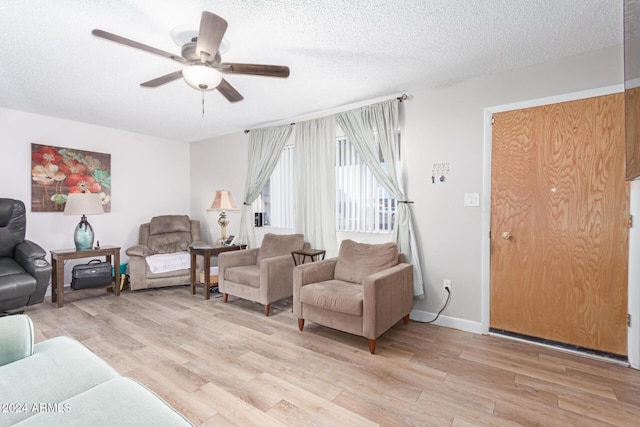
302 254
207 252
60 256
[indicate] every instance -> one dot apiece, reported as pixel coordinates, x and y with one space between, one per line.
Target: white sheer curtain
360 127
265 147
315 183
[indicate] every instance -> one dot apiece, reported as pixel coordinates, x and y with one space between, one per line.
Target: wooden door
558 187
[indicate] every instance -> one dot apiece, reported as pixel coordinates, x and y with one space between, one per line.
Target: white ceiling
339 53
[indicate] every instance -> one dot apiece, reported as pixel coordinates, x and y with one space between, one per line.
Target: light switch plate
472 199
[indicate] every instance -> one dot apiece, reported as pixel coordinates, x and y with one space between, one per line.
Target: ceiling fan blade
131 43
162 79
229 91
212 29
255 69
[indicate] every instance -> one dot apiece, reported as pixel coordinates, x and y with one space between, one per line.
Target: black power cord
444 306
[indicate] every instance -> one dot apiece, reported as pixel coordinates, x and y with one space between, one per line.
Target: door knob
506 235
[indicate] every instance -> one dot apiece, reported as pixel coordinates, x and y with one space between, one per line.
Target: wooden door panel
558 186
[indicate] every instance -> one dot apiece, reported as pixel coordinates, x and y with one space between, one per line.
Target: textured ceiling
339 53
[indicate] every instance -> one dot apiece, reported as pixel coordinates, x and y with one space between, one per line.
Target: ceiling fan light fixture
201 77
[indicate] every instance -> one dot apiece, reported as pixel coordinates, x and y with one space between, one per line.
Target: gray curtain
265 147
315 183
361 127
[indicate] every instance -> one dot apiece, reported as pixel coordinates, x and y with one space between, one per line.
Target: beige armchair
170 237
364 291
264 274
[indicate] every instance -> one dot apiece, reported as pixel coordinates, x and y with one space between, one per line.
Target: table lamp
83 204
223 202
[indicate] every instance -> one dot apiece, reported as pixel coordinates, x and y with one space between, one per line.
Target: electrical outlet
446 283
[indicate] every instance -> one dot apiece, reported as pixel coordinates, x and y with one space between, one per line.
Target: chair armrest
312 272
32 258
30 250
139 250
237 258
16 338
276 277
388 297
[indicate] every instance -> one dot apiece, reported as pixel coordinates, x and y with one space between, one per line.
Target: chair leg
267 309
406 319
372 346
225 297
300 324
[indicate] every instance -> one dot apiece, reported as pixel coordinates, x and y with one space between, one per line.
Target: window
362 204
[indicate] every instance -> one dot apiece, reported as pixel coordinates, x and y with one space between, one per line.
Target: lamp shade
83 204
223 202
201 77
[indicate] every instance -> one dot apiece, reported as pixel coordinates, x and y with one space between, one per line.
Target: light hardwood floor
229 365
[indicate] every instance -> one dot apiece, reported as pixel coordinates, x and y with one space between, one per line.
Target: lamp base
83 235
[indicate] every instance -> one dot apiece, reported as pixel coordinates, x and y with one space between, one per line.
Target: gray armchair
263 274
364 291
24 271
166 234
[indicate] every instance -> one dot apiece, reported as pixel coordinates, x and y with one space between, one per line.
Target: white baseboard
449 322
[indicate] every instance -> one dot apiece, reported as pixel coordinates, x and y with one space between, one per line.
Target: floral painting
58 171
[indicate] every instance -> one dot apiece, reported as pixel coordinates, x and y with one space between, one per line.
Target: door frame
633 332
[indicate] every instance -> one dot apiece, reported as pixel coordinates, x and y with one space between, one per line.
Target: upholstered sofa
264 274
59 382
163 243
24 271
364 291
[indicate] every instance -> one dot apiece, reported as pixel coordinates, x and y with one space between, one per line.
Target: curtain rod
248 130
401 98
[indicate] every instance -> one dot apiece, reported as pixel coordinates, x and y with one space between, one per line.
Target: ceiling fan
202 59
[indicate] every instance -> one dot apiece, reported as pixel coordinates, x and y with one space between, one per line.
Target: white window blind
362 204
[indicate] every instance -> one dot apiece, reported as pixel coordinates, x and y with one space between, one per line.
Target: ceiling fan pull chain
203 104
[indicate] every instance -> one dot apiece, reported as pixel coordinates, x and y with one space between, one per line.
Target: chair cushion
8 267
245 275
356 260
334 295
169 233
15 282
279 244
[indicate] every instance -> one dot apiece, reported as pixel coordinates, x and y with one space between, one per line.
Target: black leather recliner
24 271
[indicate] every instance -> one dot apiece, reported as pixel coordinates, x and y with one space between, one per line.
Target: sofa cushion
62 368
12 225
279 244
117 402
169 224
169 233
356 260
334 295
245 274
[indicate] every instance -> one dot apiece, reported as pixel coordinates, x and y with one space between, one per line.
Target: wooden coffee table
60 256
207 252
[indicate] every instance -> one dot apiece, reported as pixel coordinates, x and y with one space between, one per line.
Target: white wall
217 166
447 125
150 176
443 125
